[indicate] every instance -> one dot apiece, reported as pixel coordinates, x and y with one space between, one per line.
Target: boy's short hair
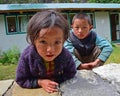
82 16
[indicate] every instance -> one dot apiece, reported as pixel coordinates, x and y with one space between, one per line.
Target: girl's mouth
49 55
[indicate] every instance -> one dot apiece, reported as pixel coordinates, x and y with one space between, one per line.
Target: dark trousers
90 58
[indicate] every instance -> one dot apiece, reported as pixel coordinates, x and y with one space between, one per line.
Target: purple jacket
31 68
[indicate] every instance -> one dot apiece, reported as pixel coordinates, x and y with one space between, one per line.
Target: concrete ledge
18 91
4 86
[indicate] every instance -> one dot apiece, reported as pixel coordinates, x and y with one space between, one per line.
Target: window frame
16 23
7 24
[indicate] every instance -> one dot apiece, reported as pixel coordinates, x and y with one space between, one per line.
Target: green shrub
113 45
10 56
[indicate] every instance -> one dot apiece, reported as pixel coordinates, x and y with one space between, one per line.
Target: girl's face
81 28
49 43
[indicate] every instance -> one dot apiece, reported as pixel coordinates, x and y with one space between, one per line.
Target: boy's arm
106 48
68 44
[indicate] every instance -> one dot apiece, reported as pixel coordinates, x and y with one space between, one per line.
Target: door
114 26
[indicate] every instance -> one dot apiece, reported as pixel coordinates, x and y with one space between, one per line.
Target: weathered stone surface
86 83
110 72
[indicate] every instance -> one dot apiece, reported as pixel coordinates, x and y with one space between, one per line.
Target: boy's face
49 43
81 28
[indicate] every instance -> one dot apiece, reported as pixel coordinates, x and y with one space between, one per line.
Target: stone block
16 90
85 83
4 85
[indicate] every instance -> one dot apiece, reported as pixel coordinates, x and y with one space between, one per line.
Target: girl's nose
50 48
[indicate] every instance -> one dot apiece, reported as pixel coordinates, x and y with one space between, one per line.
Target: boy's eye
76 27
85 27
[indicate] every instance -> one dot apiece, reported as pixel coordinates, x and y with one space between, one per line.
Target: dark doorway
115 27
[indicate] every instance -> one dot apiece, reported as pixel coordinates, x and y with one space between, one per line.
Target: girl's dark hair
82 16
46 19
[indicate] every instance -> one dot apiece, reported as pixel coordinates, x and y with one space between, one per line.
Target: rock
5 84
110 72
85 83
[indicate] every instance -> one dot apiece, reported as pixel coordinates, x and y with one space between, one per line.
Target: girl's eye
58 42
43 42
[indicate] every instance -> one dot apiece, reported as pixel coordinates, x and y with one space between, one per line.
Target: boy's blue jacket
103 44
31 68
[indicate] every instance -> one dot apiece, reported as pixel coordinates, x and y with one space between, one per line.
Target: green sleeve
106 48
68 44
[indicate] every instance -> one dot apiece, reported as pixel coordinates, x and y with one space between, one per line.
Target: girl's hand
48 85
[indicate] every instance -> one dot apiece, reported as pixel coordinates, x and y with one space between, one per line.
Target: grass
115 56
8 71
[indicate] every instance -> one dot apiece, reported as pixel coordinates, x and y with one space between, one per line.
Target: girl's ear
91 26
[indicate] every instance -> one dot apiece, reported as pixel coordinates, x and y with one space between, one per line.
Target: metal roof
60 6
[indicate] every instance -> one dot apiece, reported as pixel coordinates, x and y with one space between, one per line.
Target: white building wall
9 41
2 25
19 40
102 21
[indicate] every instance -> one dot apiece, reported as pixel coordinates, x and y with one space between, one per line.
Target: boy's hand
86 66
48 85
91 65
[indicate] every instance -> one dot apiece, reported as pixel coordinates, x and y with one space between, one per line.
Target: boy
88 49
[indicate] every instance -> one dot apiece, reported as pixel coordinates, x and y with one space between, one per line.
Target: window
65 15
11 24
71 17
92 19
29 16
17 24
22 23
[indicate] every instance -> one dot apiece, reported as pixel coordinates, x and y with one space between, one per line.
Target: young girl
45 62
